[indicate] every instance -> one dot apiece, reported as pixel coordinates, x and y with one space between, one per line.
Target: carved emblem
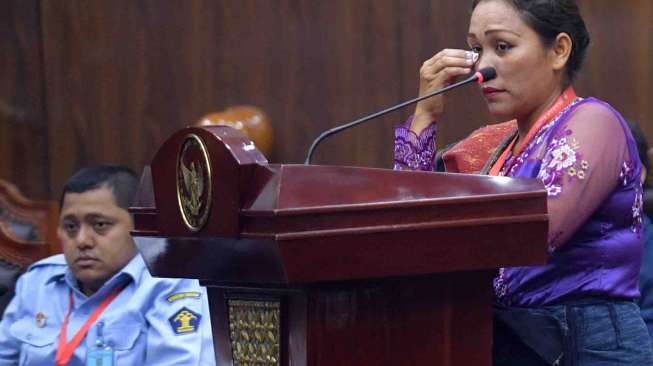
194 183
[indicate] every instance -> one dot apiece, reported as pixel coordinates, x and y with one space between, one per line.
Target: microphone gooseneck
481 76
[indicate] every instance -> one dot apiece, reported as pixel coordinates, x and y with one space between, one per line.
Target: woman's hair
551 17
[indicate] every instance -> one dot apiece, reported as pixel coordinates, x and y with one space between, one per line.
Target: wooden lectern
331 265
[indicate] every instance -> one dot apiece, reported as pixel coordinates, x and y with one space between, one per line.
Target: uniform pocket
122 337
37 345
26 331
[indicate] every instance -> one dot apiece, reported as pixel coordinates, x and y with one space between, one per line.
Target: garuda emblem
194 182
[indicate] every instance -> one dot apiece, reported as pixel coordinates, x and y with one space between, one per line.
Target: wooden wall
84 82
23 121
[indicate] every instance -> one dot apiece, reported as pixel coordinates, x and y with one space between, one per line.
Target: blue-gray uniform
153 321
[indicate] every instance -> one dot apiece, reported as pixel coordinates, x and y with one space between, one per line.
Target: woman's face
526 81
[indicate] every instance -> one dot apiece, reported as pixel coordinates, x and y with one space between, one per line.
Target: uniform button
29 337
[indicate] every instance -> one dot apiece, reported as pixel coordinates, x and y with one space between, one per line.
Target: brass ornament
194 182
255 332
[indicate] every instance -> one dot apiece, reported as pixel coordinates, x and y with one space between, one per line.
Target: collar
130 272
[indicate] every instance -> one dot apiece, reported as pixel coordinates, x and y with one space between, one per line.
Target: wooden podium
330 265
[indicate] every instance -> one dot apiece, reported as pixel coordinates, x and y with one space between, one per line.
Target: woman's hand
436 73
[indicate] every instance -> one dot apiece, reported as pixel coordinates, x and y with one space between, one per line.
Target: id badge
100 357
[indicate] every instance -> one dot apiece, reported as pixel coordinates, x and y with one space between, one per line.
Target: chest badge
41 319
185 321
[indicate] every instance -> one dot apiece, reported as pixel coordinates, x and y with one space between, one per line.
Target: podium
331 265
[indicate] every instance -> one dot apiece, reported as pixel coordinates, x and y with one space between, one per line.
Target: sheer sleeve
413 152
581 166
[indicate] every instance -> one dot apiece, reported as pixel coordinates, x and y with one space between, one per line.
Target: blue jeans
583 333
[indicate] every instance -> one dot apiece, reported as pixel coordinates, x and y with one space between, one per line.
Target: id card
100 357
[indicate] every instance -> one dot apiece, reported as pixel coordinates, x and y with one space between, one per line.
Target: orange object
66 349
560 104
250 120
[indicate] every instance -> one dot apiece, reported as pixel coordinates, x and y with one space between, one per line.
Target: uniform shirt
153 321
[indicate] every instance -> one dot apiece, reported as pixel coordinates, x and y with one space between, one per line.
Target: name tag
100 357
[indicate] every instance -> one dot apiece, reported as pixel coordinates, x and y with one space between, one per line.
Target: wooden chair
250 120
28 228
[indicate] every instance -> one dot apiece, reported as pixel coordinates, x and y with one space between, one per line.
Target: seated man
97 304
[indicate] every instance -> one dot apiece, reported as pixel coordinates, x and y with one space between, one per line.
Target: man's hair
121 180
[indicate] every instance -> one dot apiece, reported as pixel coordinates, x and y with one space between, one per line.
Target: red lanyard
564 100
65 350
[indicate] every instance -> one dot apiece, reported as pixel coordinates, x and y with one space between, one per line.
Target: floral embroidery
564 159
584 164
402 151
638 207
514 164
412 151
500 285
628 175
563 156
627 172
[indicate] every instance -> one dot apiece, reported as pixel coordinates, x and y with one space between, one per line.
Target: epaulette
55 260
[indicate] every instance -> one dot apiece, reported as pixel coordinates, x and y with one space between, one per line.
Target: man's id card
100 357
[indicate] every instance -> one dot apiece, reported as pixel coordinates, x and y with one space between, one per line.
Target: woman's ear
561 51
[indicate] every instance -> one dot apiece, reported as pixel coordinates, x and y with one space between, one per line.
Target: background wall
84 82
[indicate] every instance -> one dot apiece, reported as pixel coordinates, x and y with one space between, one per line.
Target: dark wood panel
413 321
23 128
618 66
121 76
120 80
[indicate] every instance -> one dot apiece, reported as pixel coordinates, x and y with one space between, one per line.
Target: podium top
210 185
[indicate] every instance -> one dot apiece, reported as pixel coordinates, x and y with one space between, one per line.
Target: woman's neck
525 124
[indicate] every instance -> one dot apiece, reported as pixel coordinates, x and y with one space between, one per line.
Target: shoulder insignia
55 260
185 321
183 295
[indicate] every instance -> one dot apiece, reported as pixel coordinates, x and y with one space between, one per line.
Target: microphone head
486 74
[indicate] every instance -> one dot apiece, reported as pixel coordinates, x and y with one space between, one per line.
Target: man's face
95 236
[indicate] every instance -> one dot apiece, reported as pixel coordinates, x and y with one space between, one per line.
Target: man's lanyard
65 350
564 100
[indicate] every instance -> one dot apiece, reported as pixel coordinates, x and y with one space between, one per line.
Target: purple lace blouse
588 162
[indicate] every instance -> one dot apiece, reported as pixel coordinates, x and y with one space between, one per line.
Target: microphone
481 76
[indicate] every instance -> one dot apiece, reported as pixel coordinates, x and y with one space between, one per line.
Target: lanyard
65 350
564 100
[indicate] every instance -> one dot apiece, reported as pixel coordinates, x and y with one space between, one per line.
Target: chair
250 120
28 228
28 232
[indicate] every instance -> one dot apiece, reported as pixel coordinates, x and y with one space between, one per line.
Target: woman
577 308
